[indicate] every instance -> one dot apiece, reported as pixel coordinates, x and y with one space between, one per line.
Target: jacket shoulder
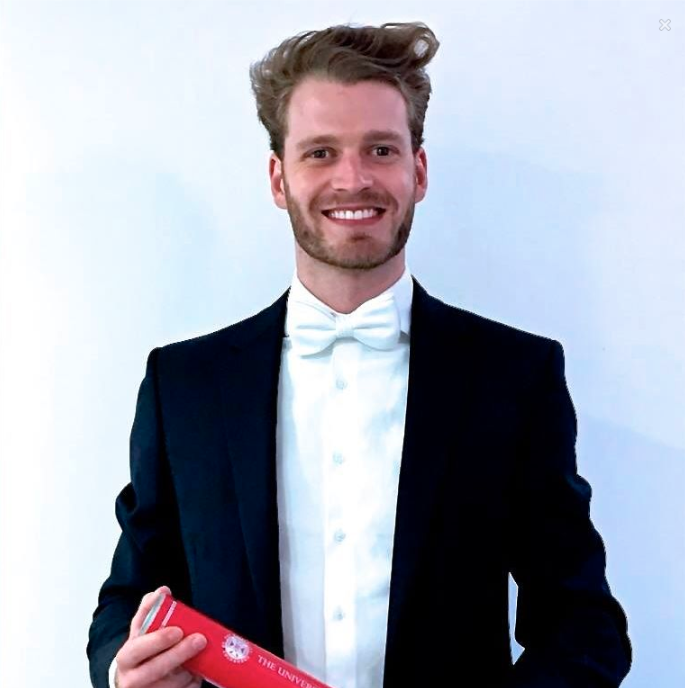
482 331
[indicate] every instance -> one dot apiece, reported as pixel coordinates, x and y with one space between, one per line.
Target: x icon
665 24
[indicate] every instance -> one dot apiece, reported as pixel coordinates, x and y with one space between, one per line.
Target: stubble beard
358 253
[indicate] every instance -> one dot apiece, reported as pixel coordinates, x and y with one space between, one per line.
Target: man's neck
345 290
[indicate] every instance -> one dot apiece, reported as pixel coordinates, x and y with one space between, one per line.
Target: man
304 481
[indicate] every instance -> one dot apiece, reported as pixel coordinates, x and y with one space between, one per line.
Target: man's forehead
325 111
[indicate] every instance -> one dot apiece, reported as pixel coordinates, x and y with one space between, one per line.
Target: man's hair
394 53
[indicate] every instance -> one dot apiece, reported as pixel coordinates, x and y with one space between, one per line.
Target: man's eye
315 154
385 149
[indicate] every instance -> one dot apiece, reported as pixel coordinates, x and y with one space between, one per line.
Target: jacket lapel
249 387
429 436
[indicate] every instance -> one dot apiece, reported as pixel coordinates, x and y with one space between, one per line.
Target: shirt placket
339 536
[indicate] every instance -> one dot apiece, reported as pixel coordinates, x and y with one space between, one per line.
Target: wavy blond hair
394 53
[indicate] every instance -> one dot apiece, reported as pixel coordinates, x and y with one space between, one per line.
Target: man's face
348 148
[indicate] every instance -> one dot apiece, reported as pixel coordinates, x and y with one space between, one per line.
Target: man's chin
362 253
354 260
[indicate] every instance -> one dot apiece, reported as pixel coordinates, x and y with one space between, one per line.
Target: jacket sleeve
149 552
573 631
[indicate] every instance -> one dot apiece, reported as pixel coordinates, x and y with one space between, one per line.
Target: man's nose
351 174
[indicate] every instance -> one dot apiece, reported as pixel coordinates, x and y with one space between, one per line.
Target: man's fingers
145 606
193 681
180 679
162 665
140 648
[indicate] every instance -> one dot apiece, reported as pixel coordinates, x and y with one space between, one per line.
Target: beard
361 251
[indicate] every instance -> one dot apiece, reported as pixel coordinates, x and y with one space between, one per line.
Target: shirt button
338 614
339 535
340 383
338 458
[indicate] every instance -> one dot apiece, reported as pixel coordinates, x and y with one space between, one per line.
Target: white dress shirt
340 431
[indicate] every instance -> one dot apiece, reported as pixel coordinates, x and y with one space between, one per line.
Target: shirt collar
402 290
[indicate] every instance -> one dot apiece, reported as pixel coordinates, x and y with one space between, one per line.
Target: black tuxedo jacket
488 485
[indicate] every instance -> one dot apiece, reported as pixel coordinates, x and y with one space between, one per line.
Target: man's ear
421 174
277 184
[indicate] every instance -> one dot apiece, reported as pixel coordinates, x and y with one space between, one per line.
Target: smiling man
348 477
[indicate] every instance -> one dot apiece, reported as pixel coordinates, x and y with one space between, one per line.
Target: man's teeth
353 214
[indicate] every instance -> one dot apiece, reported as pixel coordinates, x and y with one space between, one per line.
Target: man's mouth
358 216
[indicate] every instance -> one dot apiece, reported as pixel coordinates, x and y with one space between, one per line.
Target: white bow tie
375 323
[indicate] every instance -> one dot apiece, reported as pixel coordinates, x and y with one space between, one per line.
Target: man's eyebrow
374 135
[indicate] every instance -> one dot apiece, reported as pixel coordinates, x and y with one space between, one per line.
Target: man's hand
154 660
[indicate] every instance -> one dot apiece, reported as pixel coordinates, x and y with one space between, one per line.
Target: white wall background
135 211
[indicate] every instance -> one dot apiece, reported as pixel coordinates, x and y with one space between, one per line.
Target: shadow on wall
639 509
128 246
503 236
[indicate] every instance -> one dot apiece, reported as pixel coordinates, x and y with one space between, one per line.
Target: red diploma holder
228 660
